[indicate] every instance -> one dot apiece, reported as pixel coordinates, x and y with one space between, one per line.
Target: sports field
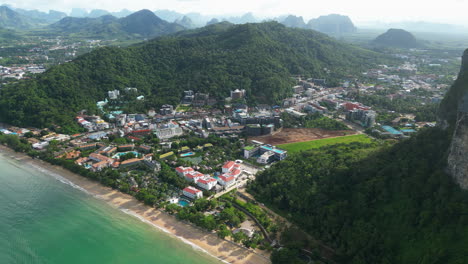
296 147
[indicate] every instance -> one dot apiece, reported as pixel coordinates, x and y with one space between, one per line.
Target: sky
446 11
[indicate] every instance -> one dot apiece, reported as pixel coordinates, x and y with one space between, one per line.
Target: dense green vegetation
315 120
396 205
398 38
301 146
141 24
216 59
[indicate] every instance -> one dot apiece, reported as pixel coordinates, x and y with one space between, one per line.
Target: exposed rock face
453 114
332 24
458 156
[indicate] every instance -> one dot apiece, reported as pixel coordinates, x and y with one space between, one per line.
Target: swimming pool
118 155
187 154
183 203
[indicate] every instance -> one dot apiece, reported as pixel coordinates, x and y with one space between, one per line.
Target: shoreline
205 241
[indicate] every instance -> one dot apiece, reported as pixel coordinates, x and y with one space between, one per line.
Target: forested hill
394 206
216 59
397 38
141 24
374 204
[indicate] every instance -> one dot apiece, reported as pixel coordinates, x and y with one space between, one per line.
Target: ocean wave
59 178
194 246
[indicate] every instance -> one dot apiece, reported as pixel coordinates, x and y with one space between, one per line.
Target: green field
183 108
299 146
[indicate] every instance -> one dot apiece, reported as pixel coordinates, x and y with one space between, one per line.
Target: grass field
296 147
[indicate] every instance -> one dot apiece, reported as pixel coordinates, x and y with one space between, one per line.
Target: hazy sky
445 11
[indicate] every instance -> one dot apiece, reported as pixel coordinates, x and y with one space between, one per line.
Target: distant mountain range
397 38
417 26
143 23
331 24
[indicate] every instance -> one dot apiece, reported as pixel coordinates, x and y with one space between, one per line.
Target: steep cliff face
453 115
458 156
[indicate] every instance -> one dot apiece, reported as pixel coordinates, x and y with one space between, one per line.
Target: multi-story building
207 183
192 193
226 181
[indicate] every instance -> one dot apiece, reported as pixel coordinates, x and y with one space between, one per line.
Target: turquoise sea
44 220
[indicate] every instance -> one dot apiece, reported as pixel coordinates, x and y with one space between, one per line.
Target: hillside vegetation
143 23
394 205
259 58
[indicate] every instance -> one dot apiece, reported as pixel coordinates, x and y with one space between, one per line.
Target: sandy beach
209 242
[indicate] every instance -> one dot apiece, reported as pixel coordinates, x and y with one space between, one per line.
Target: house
207 183
192 192
181 171
226 181
71 155
81 161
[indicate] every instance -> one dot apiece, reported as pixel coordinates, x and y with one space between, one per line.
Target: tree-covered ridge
141 24
259 58
396 205
397 38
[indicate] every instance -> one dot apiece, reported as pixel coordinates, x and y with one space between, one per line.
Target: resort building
266 157
127 147
250 151
87 146
108 151
144 148
228 166
181 171
130 162
192 192
193 176
207 183
226 181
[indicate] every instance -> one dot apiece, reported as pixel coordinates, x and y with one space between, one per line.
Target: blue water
123 153
187 154
183 203
43 220
392 130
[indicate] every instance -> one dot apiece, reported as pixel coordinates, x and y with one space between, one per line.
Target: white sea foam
194 246
59 177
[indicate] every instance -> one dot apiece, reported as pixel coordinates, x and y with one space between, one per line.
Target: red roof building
207 183
181 171
228 166
226 180
192 192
